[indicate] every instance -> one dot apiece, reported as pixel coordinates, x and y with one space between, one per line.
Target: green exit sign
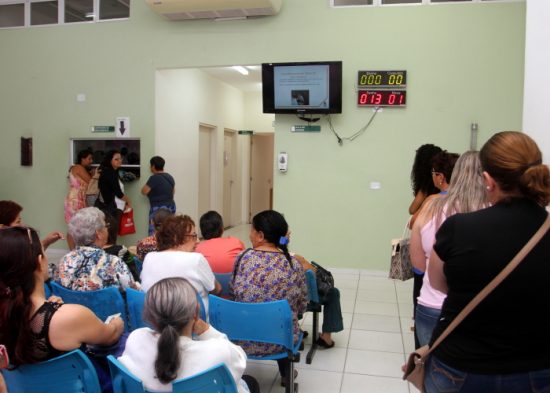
302 128
246 132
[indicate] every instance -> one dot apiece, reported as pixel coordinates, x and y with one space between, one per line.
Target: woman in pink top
220 252
466 194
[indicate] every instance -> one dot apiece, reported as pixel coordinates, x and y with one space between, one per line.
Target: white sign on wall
122 127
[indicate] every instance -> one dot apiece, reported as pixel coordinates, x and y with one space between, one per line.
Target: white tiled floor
369 351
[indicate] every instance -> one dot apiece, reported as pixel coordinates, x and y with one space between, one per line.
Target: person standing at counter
110 186
160 189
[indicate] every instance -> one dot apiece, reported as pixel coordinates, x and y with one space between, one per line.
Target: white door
229 177
261 173
206 138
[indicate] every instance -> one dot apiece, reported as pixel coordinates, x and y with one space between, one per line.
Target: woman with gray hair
169 352
88 267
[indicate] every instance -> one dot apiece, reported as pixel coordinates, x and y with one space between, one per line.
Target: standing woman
421 180
79 177
160 189
502 346
110 186
466 193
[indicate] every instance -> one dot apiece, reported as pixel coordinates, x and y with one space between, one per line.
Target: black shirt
508 331
109 186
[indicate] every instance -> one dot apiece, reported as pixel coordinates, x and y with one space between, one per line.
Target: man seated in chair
220 252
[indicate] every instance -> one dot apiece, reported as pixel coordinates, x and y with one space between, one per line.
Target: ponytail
168 358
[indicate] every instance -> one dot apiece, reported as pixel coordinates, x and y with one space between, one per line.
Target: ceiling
246 83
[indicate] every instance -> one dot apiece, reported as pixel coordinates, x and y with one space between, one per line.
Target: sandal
305 333
323 344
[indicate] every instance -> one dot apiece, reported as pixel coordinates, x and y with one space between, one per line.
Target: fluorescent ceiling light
241 69
89 15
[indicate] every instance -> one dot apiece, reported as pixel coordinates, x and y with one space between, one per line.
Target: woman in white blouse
169 352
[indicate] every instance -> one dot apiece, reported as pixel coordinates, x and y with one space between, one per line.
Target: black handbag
325 281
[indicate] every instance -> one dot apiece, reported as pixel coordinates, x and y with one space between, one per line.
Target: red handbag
127 225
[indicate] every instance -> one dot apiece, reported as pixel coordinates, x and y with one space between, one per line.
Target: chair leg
291 387
314 337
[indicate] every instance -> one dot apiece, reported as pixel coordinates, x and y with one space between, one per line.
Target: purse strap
494 283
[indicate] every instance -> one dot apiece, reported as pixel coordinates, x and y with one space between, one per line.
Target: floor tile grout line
349 337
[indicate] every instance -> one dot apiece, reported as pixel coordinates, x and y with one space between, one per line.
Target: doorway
261 173
206 145
229 177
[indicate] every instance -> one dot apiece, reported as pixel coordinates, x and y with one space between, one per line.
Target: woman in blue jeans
466 193
503 345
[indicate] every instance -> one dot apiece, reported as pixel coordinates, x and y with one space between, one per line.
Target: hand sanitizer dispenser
282 161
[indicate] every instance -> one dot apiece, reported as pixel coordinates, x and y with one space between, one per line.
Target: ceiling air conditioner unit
214 9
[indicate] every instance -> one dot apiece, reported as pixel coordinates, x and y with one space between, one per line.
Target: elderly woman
502 346
33 328
169 351
176 240
89 267
267 273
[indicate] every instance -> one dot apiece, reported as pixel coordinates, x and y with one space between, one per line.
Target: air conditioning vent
214 9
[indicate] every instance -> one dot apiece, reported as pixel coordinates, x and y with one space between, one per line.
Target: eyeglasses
193 235
434 172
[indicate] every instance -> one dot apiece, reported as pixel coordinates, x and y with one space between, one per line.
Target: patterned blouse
91 268
145 246
263 276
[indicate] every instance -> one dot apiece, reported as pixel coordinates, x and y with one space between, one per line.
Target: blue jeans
425 319
441 378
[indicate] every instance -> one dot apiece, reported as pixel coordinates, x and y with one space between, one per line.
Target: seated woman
169 352
220 252
176 241
89 267
33 328
267 273
10 216
111 247
332 312
148 244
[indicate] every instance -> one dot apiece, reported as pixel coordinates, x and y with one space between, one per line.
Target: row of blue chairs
263 322
269 322
109 301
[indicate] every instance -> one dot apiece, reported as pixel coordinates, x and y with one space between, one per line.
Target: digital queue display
395 98
376 79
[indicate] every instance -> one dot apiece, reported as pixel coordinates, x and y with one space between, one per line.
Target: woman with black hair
267 273
110 186
421 179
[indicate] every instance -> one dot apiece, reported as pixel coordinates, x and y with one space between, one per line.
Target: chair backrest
202 312
71 372
103 302
224 279
215 379
135 300
269 322
311 280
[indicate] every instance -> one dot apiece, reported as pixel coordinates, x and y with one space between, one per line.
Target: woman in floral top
89 267
267 273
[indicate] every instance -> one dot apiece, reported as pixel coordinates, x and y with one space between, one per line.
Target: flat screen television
302 88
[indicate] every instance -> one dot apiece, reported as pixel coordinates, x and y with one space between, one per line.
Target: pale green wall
464 63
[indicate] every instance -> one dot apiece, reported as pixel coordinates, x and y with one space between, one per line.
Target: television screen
312 87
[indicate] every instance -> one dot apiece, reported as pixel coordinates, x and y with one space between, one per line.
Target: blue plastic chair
215 379
315 307
136 300
269 322
103 302
224 279
71 372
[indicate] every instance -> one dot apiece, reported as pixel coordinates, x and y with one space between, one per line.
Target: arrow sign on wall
122 127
